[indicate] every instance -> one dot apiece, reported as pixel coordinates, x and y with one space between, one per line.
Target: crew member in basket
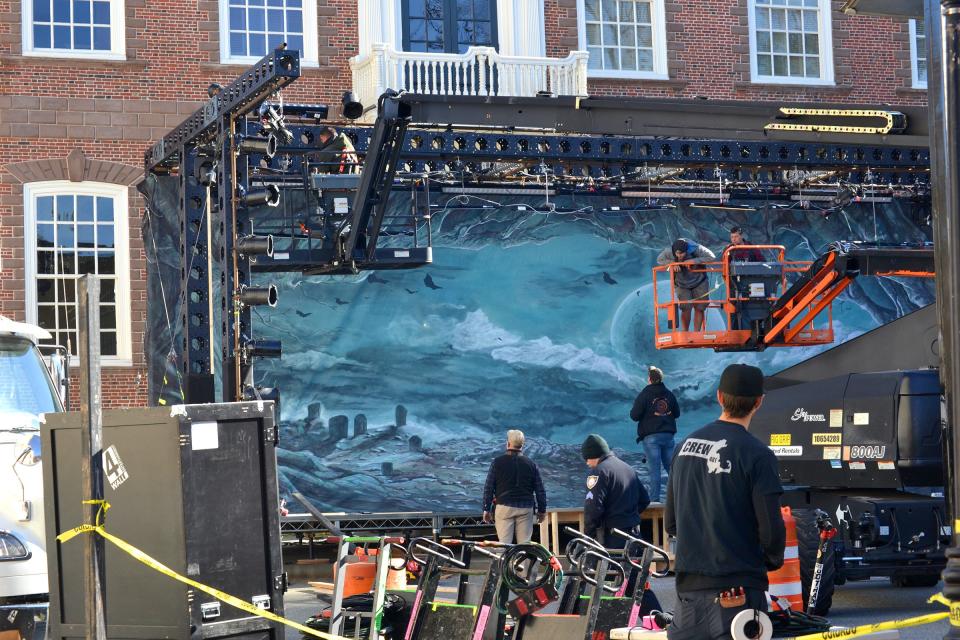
723 506
690 281
615 496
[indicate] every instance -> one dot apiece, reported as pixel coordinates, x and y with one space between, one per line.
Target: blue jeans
659 449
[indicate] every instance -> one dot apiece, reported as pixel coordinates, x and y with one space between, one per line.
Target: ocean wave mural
398 387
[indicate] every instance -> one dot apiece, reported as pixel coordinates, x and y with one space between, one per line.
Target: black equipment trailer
866 448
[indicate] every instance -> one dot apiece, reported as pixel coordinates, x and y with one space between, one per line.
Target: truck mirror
60 374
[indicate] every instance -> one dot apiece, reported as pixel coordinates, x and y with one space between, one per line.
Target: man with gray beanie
615 496
723 505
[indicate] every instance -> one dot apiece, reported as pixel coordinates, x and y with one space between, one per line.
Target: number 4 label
114 468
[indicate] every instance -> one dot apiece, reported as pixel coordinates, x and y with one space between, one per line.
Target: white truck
27 390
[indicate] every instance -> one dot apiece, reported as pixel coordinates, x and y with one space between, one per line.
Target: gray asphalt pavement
855 603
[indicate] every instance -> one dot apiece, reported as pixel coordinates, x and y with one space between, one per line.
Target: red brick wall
39 159
173 53
708 54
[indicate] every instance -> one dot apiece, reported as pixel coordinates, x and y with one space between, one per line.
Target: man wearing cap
723 506
691 286
656 411
514 483
615 496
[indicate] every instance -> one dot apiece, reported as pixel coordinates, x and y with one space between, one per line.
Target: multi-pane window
625 38
73 28
250 29
73 230
791 40
448 26
918 53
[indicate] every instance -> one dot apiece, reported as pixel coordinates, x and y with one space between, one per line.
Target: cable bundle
517 561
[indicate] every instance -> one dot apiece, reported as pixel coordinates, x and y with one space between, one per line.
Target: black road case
194 486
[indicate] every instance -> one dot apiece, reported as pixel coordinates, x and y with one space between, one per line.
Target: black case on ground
195 487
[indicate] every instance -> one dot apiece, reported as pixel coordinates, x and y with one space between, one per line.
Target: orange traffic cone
785 581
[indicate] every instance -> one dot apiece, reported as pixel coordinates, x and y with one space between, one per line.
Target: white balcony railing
481 71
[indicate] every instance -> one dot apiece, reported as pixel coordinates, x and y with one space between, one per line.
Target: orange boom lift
777 302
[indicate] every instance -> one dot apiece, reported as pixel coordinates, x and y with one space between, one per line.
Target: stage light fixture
252 144
273 122
352 108
258 296
255 245
261 349
269 196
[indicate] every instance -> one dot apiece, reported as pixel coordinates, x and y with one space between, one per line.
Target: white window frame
825 36
118 36
308 57
914 70
659 28
121 238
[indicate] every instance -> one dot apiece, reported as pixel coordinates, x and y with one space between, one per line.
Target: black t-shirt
723 506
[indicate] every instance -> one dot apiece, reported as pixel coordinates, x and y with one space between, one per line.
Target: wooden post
91 451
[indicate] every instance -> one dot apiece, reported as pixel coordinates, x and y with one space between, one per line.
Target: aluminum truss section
198 350
703 119
623 154
386 522
273 71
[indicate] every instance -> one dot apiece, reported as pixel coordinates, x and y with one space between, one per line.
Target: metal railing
724 297
481 71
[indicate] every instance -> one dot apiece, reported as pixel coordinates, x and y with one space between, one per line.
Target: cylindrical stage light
269 196
262 349
352 108
253 144
255 245
256 296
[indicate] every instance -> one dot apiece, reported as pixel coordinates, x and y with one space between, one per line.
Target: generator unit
866 448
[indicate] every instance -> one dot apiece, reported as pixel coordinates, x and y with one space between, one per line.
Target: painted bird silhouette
608 279
409 291
302 314
373 278
339 301
427 280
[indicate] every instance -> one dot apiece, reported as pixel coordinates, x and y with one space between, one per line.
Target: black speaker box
195 487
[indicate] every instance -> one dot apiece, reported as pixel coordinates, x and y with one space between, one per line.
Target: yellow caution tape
873 628
954 607
892 120
167 571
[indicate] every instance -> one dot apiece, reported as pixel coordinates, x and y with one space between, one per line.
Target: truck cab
27 391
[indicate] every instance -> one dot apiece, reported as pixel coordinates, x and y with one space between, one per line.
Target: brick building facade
87 85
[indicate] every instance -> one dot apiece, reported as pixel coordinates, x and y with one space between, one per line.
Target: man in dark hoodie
656 411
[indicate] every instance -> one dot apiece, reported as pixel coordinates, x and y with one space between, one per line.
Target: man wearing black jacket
514 481
656 411
723 506
615 496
